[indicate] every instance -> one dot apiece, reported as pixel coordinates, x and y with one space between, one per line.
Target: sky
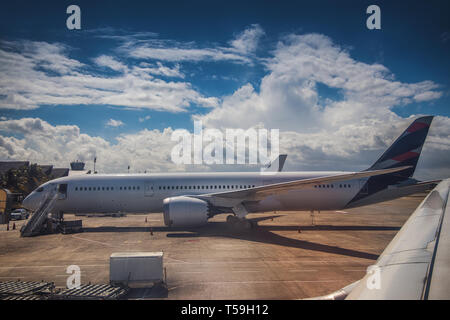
117 89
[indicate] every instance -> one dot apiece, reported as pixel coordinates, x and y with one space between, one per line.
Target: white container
136 267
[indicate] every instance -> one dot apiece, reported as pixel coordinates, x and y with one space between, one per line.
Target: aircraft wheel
231 219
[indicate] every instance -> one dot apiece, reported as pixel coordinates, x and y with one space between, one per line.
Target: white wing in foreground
416 263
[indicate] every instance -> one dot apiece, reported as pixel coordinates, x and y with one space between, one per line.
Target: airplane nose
29 202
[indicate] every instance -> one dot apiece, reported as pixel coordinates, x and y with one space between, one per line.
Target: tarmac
284 257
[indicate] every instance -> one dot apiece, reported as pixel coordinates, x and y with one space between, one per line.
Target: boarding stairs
37 220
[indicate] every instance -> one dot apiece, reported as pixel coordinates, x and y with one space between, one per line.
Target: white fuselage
144 193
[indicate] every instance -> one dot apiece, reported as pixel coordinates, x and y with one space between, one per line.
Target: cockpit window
40 189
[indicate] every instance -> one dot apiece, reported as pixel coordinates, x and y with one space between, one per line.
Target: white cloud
40 73
114 123
42 142
142 119
247 41
288 97
240 50
350 148
427 96
184 54
160 70
110 62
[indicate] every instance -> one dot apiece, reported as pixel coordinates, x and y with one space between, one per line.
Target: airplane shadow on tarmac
261 234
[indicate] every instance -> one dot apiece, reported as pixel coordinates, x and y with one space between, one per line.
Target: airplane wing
415 264
394 192
258 193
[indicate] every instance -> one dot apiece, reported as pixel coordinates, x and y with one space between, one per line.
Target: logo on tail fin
405 151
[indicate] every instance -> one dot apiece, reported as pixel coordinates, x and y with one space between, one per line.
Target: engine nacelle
185 211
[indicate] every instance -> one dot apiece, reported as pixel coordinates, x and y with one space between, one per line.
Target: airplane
190 199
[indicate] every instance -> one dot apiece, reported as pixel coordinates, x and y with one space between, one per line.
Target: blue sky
413 47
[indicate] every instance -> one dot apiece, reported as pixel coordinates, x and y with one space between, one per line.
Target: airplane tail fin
276 165
405 151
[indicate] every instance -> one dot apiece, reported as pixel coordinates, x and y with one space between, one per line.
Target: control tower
77 165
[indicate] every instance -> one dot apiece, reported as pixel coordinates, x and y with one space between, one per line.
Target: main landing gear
240 223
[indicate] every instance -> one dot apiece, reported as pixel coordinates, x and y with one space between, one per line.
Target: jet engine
185 211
